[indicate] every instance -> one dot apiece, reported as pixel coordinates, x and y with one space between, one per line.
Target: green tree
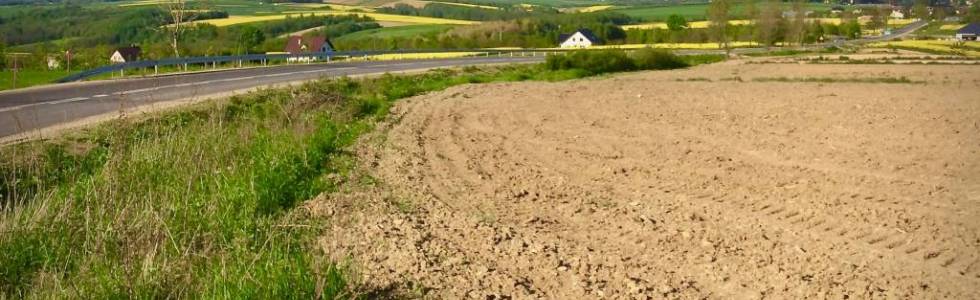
973 15
851 29
250 37
797 26
751 12
718 12
920 9
3 55
768 22
676 22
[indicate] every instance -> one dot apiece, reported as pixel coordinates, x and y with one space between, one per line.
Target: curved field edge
206 201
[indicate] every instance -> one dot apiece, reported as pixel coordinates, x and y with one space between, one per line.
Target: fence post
156 69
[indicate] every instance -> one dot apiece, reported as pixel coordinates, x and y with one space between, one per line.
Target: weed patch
902 79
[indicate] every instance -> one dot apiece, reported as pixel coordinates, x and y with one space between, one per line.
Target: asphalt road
27 110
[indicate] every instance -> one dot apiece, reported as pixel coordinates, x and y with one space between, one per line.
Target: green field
394 32
233 7
547 3
690 11
26 78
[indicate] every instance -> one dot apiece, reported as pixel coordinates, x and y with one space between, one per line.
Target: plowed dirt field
697 183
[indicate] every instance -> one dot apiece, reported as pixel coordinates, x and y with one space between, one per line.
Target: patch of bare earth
643 186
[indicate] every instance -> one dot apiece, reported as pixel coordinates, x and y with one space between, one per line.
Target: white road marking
143 90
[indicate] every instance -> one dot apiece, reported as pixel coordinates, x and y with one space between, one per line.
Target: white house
897 14
53 62
579 39
126 54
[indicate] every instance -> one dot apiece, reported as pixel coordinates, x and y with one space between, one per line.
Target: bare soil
644 186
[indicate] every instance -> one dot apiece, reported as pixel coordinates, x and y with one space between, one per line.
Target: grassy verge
26 78
204 202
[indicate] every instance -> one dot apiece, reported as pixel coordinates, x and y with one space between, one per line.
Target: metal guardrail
264 58
329 55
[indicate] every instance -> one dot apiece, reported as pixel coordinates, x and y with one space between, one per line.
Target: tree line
91 47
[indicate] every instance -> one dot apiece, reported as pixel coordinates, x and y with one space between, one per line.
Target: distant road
26 110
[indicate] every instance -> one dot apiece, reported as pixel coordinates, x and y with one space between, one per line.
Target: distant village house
124 55
897 14
298 45
968 32
53 62
582 38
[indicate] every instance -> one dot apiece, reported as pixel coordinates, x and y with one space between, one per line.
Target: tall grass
201 203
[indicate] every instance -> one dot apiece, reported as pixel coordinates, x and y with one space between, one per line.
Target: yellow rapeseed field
704 24
951 26
142 3
934 45
234 20
593 8
416 56
693 46
467 5
345 7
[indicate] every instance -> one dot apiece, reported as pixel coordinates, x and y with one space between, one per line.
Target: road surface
27 110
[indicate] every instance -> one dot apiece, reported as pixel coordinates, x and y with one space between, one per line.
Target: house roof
129 53
972 28
295 44
585 32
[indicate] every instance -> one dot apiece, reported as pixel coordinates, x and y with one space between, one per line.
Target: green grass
394 32
690 12
204 202
935 29
26 78
545 3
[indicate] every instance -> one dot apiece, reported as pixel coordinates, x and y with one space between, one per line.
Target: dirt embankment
643 186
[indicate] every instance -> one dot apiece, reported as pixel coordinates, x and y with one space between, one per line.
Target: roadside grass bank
28 78
207 201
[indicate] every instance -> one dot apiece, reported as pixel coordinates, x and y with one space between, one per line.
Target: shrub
653 59
607 61
594 62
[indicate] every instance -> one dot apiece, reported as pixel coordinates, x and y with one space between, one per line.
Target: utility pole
68 58
16 67
15 73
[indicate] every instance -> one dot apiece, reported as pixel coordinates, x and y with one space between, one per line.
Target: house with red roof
315 44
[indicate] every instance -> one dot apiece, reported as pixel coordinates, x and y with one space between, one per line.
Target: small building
53 62
299 45
581 38
125 54
968 32
897 14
